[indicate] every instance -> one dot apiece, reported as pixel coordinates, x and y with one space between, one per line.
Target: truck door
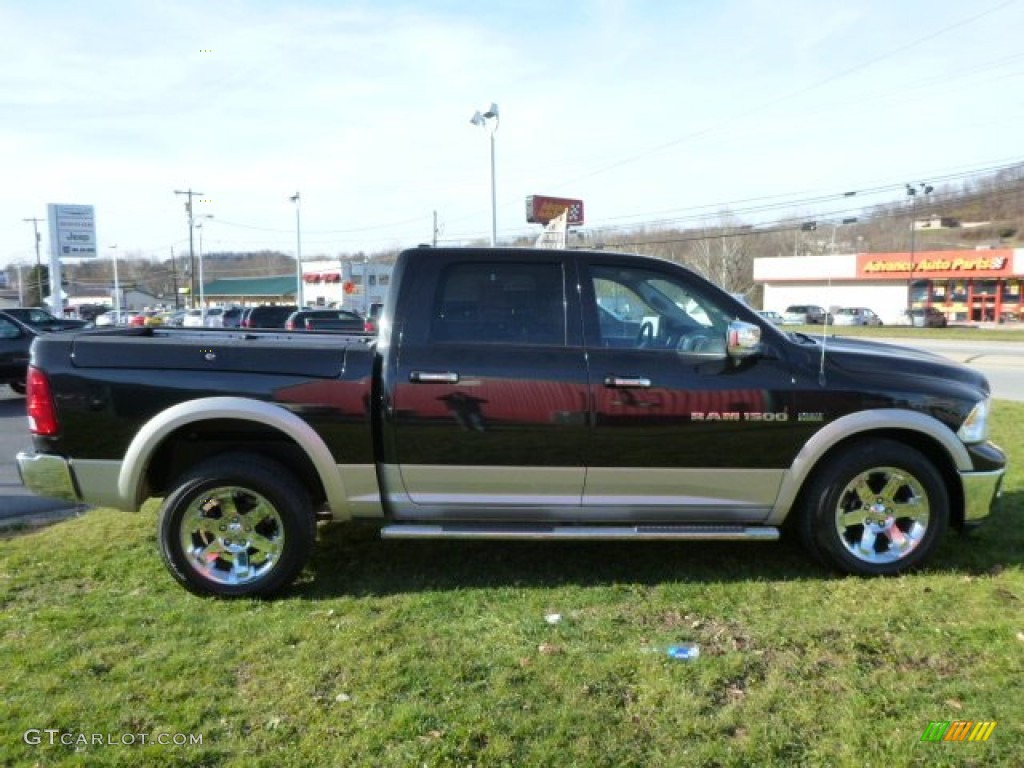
489 392
681 431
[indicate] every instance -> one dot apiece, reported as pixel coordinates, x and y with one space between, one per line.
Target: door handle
433 377
627 382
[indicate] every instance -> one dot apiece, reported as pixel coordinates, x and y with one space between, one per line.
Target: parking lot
16 503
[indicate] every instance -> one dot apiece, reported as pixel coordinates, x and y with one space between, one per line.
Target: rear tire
877 508
18 386
238 525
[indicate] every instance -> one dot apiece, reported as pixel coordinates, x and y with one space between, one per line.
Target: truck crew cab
515 393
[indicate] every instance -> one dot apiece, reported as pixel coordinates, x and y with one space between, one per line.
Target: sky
647 111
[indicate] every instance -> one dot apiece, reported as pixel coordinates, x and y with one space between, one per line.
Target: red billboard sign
540 209
935 264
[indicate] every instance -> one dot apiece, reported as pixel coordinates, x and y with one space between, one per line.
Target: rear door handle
627 382
434 377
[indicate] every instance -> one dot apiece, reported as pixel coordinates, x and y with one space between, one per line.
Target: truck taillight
42 414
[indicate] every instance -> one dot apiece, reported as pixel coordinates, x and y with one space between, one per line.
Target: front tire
239 525
877 508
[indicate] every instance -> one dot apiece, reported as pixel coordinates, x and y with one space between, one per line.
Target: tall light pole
191 251
912 192
202 290
21 287
298 250
489 122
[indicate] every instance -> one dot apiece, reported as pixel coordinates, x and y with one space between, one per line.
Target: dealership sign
72 230
936 264
541 209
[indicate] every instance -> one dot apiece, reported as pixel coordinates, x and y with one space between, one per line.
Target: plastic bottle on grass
683 651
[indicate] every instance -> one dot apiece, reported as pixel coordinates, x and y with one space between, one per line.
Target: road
16 503
1001 361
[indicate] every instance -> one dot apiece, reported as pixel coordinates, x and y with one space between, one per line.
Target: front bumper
981 489
47 475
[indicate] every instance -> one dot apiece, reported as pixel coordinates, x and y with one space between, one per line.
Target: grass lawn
440 654
958 332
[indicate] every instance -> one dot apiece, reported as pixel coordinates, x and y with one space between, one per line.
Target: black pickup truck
519 394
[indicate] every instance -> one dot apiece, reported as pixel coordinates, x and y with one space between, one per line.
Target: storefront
966 286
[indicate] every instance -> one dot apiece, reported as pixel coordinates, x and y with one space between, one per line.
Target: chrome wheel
882 515
875 507
232 535
237 525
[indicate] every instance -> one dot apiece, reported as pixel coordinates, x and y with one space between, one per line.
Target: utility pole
296 198
191 248
35 229
174 277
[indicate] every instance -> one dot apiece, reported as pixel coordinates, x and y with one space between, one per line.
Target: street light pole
489 122
912 191
298 250
202 289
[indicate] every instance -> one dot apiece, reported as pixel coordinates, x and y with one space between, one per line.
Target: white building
351 285
966 286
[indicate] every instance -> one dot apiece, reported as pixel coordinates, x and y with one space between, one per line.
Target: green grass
405 654
959 332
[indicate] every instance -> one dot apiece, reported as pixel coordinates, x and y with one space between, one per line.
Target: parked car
173 318
929 317
42 320
856 316
214 317
804 314
150 317
372 322
324 319
771 316
89 312
232 317
193 318
268 316
15 340
115 318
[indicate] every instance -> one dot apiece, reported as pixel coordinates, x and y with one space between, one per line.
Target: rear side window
8 330
500 303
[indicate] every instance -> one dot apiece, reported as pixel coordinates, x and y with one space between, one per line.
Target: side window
646 309
8 330
500 303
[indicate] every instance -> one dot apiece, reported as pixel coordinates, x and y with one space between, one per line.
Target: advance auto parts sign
994 263
72 230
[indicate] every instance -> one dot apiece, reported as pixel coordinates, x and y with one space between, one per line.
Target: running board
580 533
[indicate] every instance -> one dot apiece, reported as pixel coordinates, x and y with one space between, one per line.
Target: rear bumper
981 490
47 475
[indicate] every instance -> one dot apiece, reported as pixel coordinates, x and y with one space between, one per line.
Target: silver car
856 316
804 314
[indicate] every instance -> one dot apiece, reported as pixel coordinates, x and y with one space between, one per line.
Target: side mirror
743 340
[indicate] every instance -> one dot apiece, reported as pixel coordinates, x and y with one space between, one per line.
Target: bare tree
722 254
